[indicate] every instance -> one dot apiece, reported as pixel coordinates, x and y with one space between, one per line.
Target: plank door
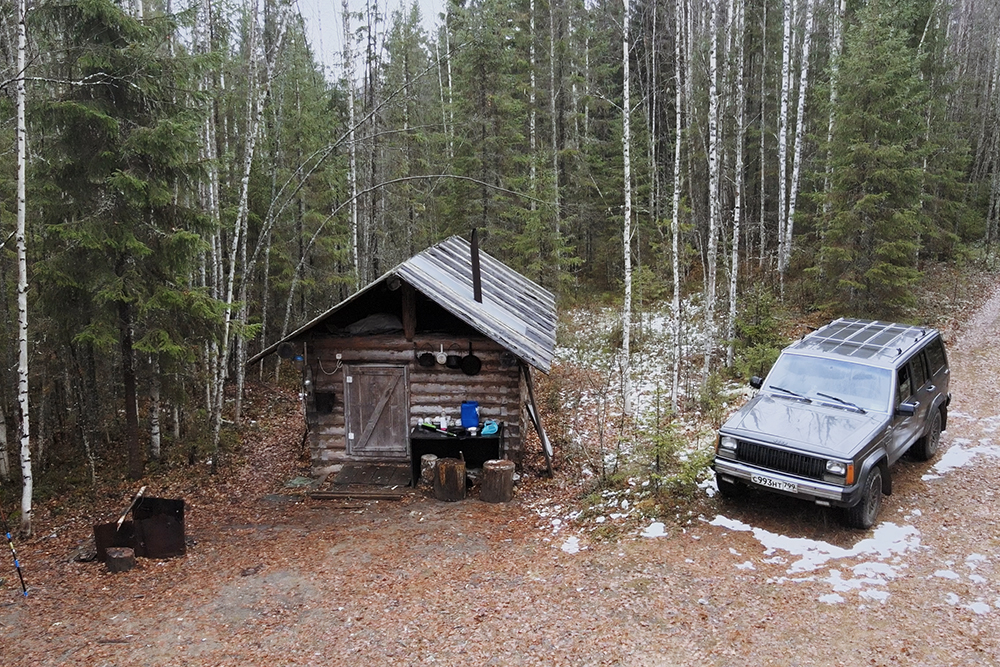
376 411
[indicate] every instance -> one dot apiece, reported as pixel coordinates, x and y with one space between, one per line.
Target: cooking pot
454 359
425 359
471 364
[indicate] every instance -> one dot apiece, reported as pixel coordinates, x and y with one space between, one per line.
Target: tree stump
120 559
498 481
449 479
427 464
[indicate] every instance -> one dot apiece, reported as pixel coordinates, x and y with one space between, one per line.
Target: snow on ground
960 454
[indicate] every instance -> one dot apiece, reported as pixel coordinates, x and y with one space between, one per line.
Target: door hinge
349 379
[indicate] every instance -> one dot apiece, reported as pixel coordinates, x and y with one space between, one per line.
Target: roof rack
870 339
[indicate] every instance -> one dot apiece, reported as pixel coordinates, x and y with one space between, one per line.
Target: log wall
433 390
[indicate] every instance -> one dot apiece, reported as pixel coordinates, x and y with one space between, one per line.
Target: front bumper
807 489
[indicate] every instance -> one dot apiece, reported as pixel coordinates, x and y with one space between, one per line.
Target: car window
867 387
935 356
903 387
919 371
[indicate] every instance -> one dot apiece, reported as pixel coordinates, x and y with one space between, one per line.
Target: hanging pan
471 364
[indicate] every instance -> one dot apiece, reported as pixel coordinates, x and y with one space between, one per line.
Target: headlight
844 472
727 446
838 468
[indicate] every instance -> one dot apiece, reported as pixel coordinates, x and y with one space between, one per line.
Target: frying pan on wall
471 364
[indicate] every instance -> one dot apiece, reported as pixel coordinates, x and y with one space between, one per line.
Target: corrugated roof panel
515 312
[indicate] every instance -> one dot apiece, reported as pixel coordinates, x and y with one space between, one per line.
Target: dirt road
270 581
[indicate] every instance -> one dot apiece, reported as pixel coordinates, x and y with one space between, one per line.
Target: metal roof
877 342
515 312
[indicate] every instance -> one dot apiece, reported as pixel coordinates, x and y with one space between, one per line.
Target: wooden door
376 411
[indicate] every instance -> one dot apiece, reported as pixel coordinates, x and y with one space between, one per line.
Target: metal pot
425 359
441 357
471 364
454 359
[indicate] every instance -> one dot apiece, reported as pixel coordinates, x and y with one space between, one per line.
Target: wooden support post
498 482
120 559
449 479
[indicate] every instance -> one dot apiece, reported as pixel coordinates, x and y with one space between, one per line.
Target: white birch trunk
4 457
451 102
734 262
255 111
713 188
532 109
761 227
627 232
154 410
786 64
836 48
800 136
675 305
352 174
552 111
22 275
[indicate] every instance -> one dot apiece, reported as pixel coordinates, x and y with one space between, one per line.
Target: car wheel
729 489
863 514
926 447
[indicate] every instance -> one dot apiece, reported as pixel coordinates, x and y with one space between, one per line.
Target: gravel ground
276 580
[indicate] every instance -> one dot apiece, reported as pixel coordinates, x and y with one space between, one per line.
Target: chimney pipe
477 285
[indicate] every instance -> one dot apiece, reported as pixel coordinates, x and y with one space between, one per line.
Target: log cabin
450 326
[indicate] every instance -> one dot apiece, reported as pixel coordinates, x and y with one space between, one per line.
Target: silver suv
838 408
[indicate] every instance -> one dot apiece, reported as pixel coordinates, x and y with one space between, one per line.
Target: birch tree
800 137
734 262
627 226
675 232
786 65
713 188
22 273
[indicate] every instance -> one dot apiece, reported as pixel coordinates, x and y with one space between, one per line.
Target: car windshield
831 380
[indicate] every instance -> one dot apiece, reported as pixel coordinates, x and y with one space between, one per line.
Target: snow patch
960 454
571 545
888 542
655 529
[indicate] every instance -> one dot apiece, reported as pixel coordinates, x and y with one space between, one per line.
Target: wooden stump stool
498 481
449 479
120 559
427 464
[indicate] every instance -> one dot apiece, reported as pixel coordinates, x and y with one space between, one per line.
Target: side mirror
756 382
906 409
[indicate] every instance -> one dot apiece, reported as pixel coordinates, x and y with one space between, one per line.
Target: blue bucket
470 414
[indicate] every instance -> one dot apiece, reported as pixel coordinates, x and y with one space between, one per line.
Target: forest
183 182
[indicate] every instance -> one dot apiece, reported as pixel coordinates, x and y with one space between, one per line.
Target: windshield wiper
842 402
790 393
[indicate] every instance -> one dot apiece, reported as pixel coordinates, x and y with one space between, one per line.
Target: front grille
781 460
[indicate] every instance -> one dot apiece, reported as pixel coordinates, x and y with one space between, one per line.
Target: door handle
931 387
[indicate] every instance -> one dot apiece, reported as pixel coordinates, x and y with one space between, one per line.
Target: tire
729 489
864 514
927 445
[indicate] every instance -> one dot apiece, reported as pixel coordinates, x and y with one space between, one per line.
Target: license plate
776 484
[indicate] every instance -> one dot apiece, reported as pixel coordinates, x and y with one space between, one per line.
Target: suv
837 409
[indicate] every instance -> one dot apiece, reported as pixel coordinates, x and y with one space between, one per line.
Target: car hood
813 427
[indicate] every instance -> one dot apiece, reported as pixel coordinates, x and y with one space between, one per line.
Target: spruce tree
119 240
868 256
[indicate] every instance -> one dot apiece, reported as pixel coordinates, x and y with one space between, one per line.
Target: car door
911 382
